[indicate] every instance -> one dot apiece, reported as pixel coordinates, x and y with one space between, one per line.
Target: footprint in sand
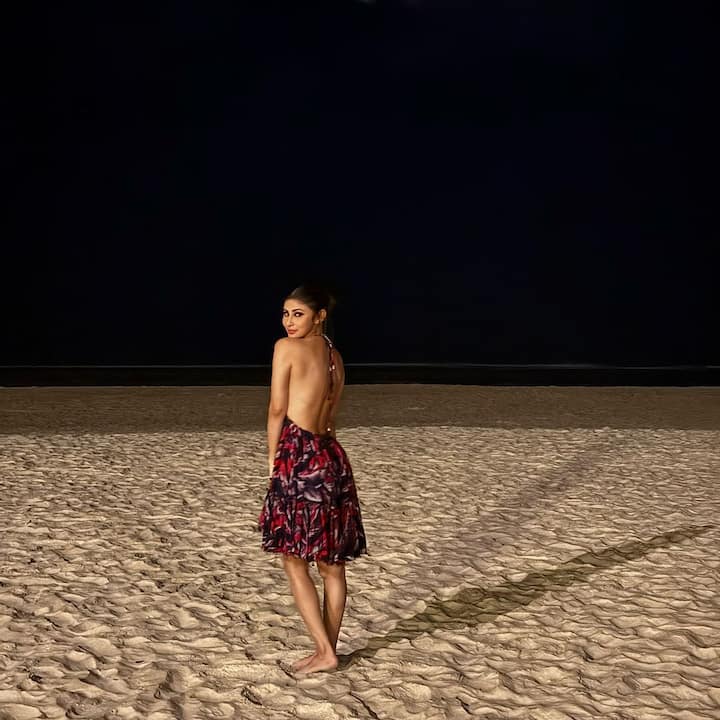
99 647
76 660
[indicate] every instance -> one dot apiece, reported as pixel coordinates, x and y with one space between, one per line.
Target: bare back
314 385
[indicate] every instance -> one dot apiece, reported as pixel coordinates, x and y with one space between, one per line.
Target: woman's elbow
276 411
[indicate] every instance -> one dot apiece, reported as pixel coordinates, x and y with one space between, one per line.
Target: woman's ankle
326 652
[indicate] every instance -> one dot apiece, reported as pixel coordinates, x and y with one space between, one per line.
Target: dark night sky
507 182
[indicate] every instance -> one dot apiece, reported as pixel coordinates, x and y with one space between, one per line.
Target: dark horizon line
558 366
366 374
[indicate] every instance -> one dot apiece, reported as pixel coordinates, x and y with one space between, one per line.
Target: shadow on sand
476 605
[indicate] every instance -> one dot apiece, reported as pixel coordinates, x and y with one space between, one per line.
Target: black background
509 182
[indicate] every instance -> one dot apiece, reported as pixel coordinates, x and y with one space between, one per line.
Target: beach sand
542 553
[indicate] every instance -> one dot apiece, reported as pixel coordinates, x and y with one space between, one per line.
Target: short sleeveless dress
311 508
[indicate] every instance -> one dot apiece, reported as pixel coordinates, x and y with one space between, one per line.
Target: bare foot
320 663
300 664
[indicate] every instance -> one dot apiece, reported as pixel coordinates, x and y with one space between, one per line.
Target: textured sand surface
539 553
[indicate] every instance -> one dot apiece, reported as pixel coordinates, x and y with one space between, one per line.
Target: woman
311 511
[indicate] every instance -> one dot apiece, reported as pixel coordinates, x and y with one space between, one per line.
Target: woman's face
299 320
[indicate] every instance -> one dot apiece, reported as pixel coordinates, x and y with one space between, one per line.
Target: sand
541 553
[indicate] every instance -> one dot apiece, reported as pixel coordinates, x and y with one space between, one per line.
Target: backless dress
311 508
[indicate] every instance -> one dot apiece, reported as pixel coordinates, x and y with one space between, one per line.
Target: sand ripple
541 573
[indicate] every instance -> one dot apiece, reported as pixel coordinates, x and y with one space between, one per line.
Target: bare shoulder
283 348
283 343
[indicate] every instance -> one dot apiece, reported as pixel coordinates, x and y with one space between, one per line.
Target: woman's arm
279 391
337 393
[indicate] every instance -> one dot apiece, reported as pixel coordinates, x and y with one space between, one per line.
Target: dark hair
314 296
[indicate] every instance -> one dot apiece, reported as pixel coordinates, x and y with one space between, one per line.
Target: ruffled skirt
311 508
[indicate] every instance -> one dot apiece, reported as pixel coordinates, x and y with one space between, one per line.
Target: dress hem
313 558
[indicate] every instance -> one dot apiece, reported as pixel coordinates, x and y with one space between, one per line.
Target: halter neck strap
331 366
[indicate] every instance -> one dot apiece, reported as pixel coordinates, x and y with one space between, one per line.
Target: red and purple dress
311 508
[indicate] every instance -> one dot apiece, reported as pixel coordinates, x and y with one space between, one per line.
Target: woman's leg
306 599
333 598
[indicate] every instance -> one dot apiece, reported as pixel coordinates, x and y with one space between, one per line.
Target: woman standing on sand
311 511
